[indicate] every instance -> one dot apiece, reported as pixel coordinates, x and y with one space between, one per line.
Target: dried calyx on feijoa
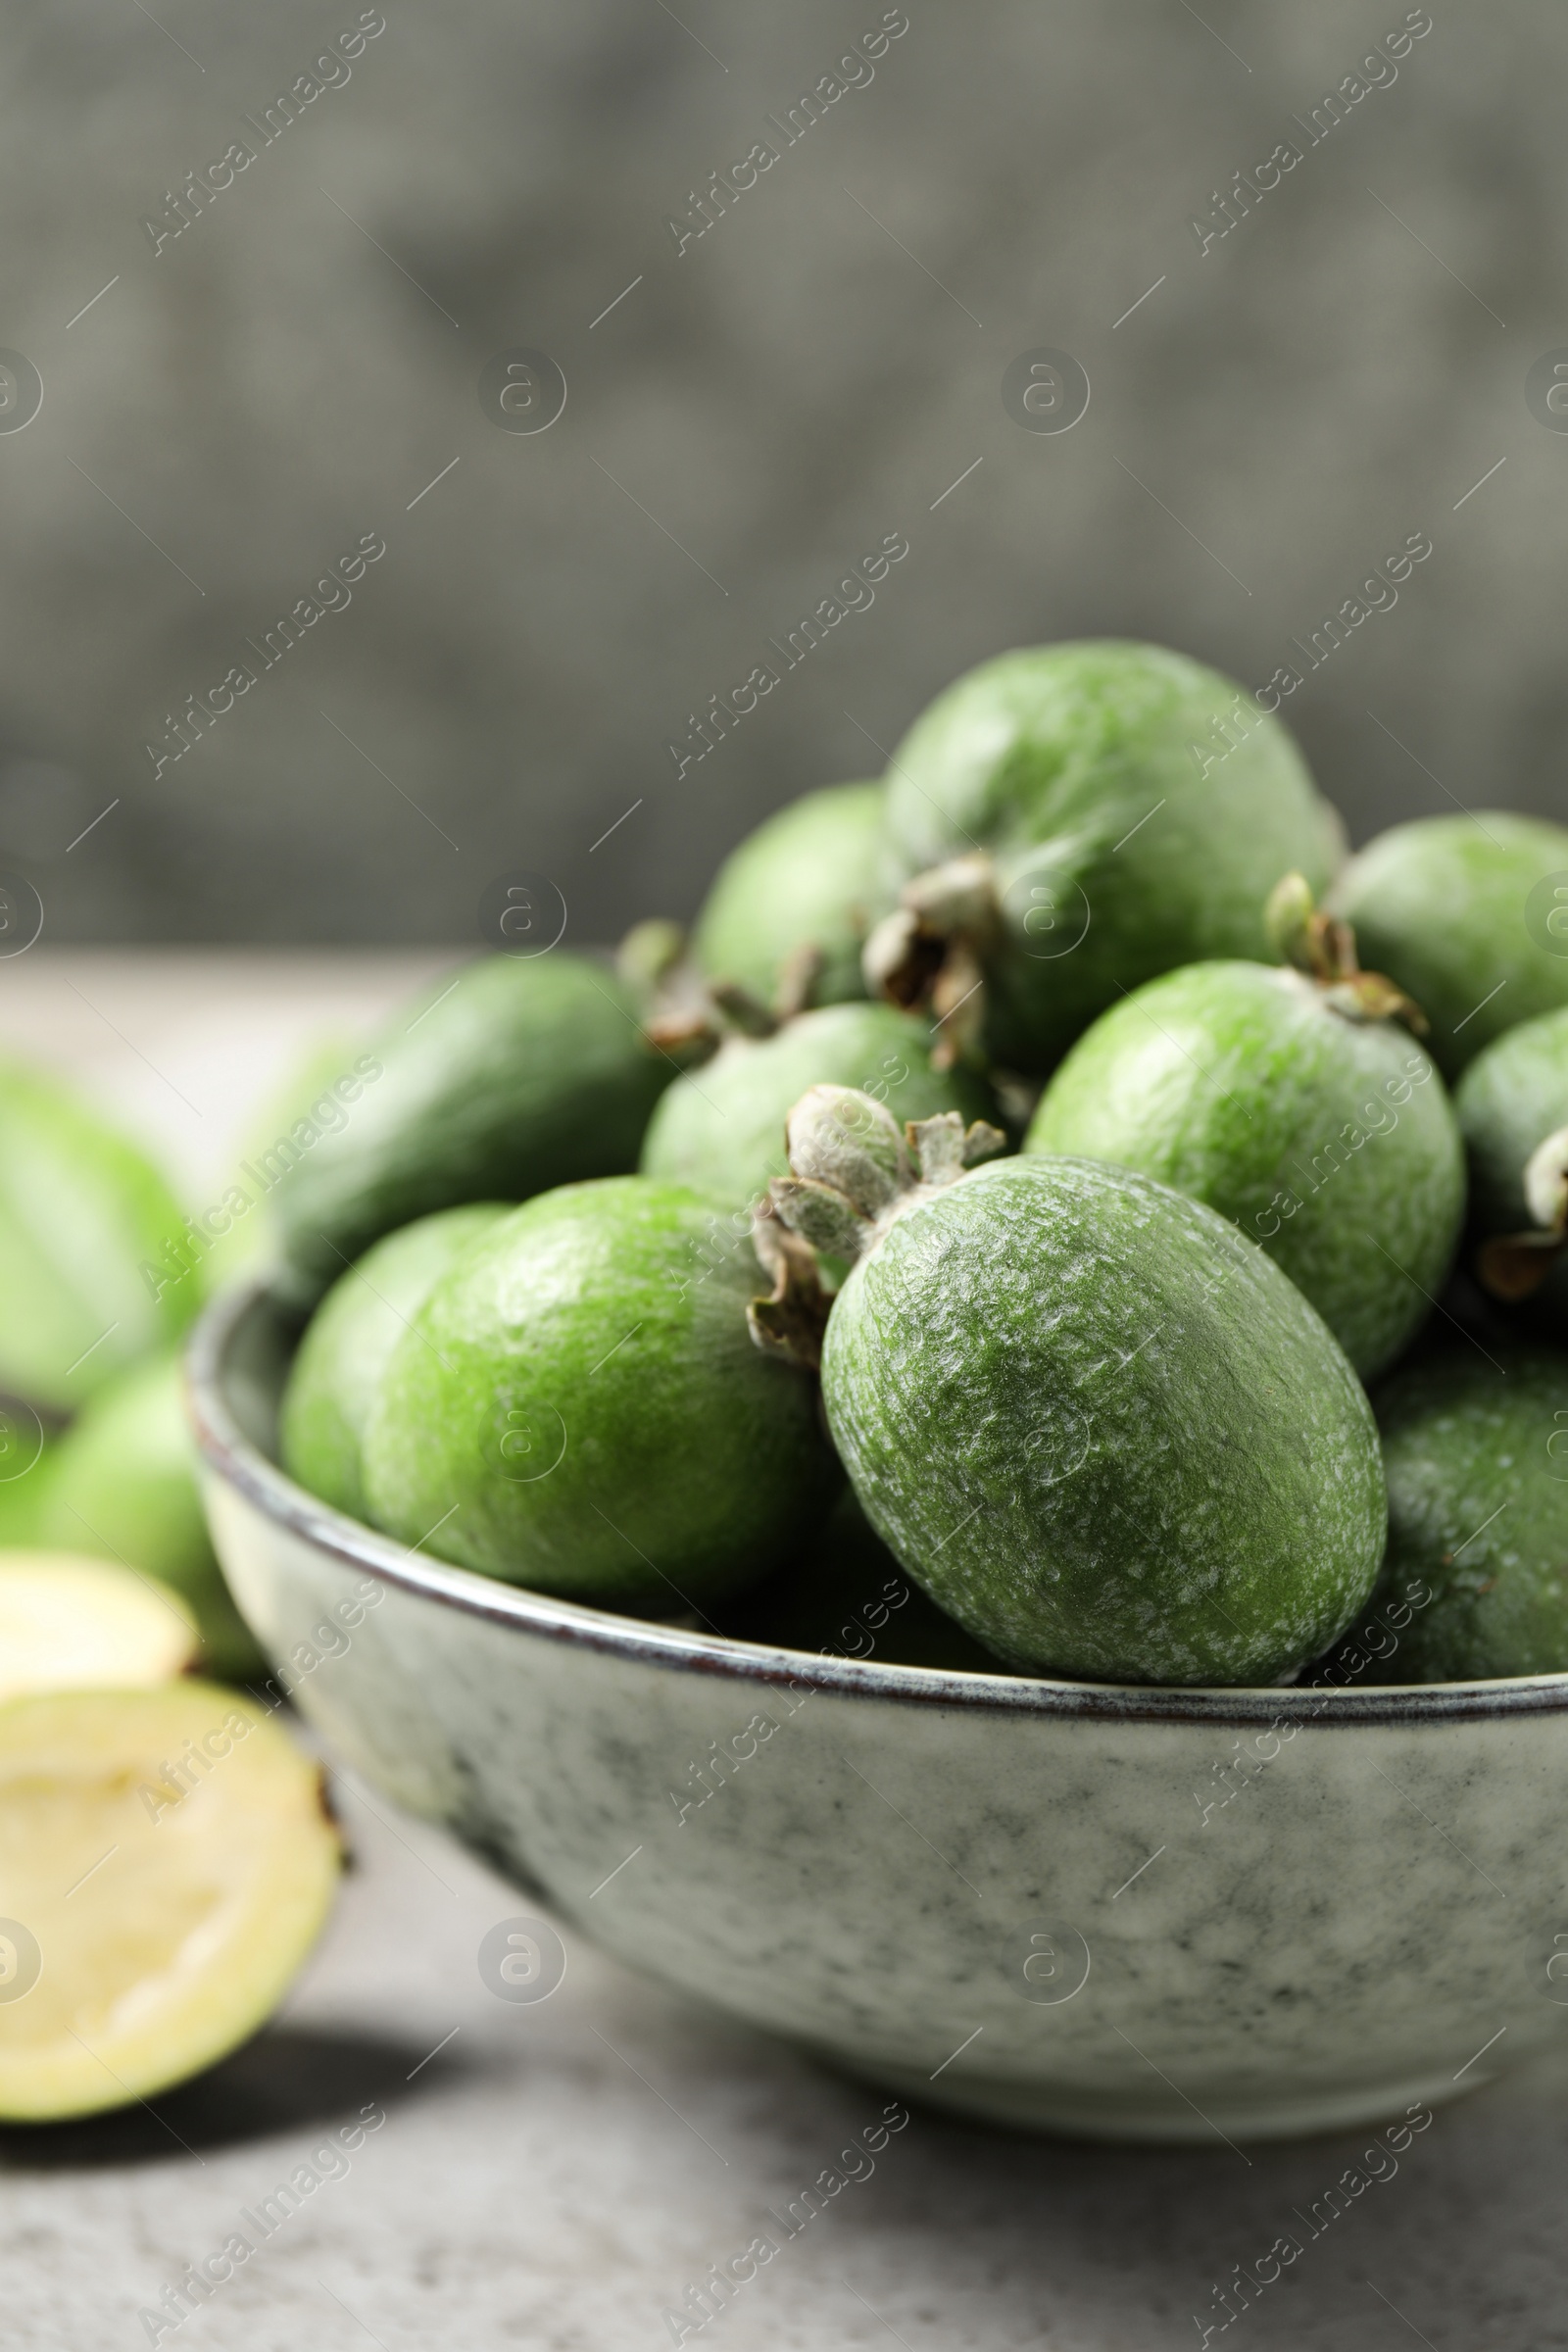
1467 914
577 1406
1513 1104
168 1861
1100 1427
1067 821
721 1128
1294 1100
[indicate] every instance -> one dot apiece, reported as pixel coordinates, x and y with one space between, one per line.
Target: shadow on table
287 2081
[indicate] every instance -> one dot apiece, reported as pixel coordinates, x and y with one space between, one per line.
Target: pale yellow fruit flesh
69 1623
169 1854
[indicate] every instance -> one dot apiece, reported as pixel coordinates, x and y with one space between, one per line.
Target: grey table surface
561 2175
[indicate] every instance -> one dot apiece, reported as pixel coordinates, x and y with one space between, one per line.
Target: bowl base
1166 2121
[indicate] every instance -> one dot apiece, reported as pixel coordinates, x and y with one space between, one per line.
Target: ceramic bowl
1132 1913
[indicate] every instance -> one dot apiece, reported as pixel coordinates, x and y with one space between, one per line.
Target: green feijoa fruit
802 884
1327 1137
1099 1425
1513 1104
578 1407
1475 1585
1468 914
26 1466
520 1074
319 1086
124 1487
721 1128
351 1335
1071 820
88 1230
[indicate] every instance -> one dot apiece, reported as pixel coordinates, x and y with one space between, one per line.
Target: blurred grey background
227 411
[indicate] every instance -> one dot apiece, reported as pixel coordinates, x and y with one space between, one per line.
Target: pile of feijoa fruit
1052 1194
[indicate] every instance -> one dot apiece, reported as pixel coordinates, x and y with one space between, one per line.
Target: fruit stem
1323 948
672 1002
741 1009
648 956
798 977
852 1171
692 1027
928 953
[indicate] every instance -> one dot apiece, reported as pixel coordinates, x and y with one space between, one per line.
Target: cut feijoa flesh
165 1863
75 1624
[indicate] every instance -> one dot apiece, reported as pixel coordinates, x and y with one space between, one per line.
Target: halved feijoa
166 1864
73 1624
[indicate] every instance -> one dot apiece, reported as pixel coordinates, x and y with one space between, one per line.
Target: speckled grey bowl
1139 1914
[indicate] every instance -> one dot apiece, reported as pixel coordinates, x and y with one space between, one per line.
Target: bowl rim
230 1456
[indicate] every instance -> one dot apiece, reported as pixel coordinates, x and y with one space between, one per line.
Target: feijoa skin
25 1472
87 1228
1476 1453
805 880
1080 817
337 1371
123 1487
1328 1139
578 1406
524 1073
1462 911
721 1128
1101 1428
